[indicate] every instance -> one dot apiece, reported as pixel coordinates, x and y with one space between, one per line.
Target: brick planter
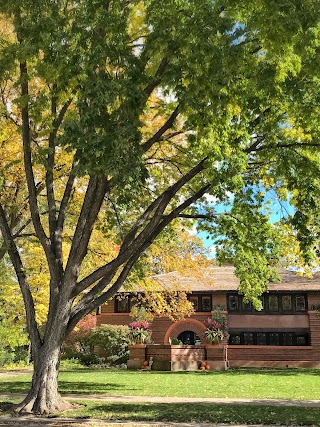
137 356
216 356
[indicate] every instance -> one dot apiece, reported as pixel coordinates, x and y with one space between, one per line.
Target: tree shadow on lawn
87 387
5 407
201 413
64 387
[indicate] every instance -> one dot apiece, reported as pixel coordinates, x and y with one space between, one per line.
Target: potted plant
216 327
140 332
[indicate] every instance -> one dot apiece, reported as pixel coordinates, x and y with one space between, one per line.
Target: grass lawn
191 413
242 383
245 383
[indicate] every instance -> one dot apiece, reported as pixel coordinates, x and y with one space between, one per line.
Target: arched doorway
194 327
189 338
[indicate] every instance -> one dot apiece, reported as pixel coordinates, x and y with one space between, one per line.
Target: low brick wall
188 358
176 352
273 356
176 357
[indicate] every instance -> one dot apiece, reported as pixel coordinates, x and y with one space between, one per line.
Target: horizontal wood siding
220 299
108 307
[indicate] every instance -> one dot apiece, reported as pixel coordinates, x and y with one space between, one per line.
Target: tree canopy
122 117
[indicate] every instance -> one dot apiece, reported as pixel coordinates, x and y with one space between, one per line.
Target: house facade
286 332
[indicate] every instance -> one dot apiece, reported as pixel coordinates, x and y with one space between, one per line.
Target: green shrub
85 359
114 341
21 354
70 363
6 356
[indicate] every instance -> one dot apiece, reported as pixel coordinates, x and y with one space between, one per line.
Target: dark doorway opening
189 338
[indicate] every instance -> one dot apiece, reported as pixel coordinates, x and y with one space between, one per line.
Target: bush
6 357
79 338
21 354
114 341
85 359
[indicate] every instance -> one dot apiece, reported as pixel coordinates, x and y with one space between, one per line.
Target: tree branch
157 78
84 306
34 209
153 215
158 135
22 279
49 179
292 145
89 301
96 191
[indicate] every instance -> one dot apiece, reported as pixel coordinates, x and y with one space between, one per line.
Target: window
288 338
273 303
286 301
300 303
276 338
206 303
195 302
233 303
246 307
235 339
201 302
122 304
261 338
302 339
248 338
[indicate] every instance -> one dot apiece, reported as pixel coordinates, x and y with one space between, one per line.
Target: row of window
124 303
271 302
269 338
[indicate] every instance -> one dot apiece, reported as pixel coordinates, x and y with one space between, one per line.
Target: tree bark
43 397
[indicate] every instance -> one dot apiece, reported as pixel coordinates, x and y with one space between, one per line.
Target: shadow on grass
5 407
64 387
201 413
88 387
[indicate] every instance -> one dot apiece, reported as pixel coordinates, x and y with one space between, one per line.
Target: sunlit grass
241 383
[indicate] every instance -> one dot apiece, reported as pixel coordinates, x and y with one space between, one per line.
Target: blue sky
279 210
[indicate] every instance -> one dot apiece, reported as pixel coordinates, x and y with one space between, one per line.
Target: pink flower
144 325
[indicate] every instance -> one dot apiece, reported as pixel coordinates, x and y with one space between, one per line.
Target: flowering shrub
144 325
140 332
216 327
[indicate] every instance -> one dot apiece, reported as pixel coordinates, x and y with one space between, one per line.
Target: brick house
285 333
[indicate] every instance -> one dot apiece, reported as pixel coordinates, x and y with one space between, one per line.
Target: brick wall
241 355
113 319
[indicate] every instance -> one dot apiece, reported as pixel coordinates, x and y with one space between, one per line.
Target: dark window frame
240 308
200 302
127 299
239 338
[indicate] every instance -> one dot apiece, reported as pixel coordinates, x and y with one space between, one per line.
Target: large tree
126 114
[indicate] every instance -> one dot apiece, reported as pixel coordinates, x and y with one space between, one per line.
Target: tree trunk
43 397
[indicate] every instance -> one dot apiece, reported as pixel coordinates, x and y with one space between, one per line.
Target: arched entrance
190 326
189 338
